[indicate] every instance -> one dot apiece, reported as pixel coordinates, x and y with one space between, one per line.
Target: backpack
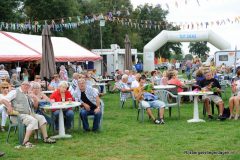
226 112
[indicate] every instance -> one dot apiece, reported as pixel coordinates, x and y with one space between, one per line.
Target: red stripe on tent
9 36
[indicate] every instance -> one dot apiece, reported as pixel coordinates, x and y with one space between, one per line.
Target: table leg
191 97
61 133
195 112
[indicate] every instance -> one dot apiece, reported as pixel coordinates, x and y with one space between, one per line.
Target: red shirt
57 97
176 82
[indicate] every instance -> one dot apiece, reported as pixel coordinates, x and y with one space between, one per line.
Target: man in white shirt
24 103
3 72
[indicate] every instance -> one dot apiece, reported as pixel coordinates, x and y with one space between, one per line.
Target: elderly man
24 103
211 84
90 100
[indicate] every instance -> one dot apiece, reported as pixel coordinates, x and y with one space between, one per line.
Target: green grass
123 137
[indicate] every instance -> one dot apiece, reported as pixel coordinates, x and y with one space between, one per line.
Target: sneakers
210 117
231 116
236 117
161 121
156 121
221 118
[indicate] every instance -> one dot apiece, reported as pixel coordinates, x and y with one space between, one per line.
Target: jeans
40 112
96 121
68 118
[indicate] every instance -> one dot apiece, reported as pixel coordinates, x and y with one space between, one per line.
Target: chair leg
9 131
170 111
138 114
142 114
212 105
204 109
79 123
20 133
122 104
178 111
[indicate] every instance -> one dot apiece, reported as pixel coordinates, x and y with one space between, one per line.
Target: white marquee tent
13 50
64 49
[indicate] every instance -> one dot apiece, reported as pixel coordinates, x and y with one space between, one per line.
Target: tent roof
64 49
13 50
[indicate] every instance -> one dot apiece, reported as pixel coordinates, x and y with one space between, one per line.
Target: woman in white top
155 80
234 100
5 86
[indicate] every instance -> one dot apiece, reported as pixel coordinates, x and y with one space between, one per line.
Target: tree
199 48
10 10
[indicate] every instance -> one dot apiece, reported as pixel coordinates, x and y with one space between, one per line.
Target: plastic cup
63 99
69 100
52 101
76 100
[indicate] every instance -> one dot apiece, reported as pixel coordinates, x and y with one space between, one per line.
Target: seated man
125 88
211 84
54 83
23 103
90 104
139 94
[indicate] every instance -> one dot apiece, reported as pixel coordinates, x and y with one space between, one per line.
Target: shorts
152 104
216 99
32 121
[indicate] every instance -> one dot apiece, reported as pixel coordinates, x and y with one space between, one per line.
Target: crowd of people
25 97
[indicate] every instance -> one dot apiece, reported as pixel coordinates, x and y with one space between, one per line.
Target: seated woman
173 80
14 81
155 80
62 95
234 100
42 100
164 80
4 91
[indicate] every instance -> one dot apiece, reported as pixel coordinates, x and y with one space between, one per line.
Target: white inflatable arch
179 36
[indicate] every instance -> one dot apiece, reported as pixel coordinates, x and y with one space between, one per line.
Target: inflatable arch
179 36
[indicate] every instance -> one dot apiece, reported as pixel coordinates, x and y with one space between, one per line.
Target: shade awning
64 49
11 49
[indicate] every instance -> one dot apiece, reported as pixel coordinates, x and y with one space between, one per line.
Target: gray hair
125 76
35 85
63 84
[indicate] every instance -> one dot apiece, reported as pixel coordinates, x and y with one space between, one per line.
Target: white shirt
12 95
135 84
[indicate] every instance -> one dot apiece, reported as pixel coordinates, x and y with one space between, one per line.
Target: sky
205 11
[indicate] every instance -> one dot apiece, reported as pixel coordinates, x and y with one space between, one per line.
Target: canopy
12 49
64 49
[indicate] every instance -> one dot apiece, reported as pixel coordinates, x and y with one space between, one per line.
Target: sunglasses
38 78
4 87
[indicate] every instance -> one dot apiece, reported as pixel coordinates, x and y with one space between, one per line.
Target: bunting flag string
61 24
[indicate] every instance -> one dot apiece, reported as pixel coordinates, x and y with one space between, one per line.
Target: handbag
149 96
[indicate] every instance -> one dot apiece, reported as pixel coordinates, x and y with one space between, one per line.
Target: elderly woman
14 80
62 95
173 80
42 99
4 90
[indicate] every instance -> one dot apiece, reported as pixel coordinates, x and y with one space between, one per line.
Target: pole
235 60
101 49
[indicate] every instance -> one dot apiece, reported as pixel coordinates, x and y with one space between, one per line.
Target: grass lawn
123 137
